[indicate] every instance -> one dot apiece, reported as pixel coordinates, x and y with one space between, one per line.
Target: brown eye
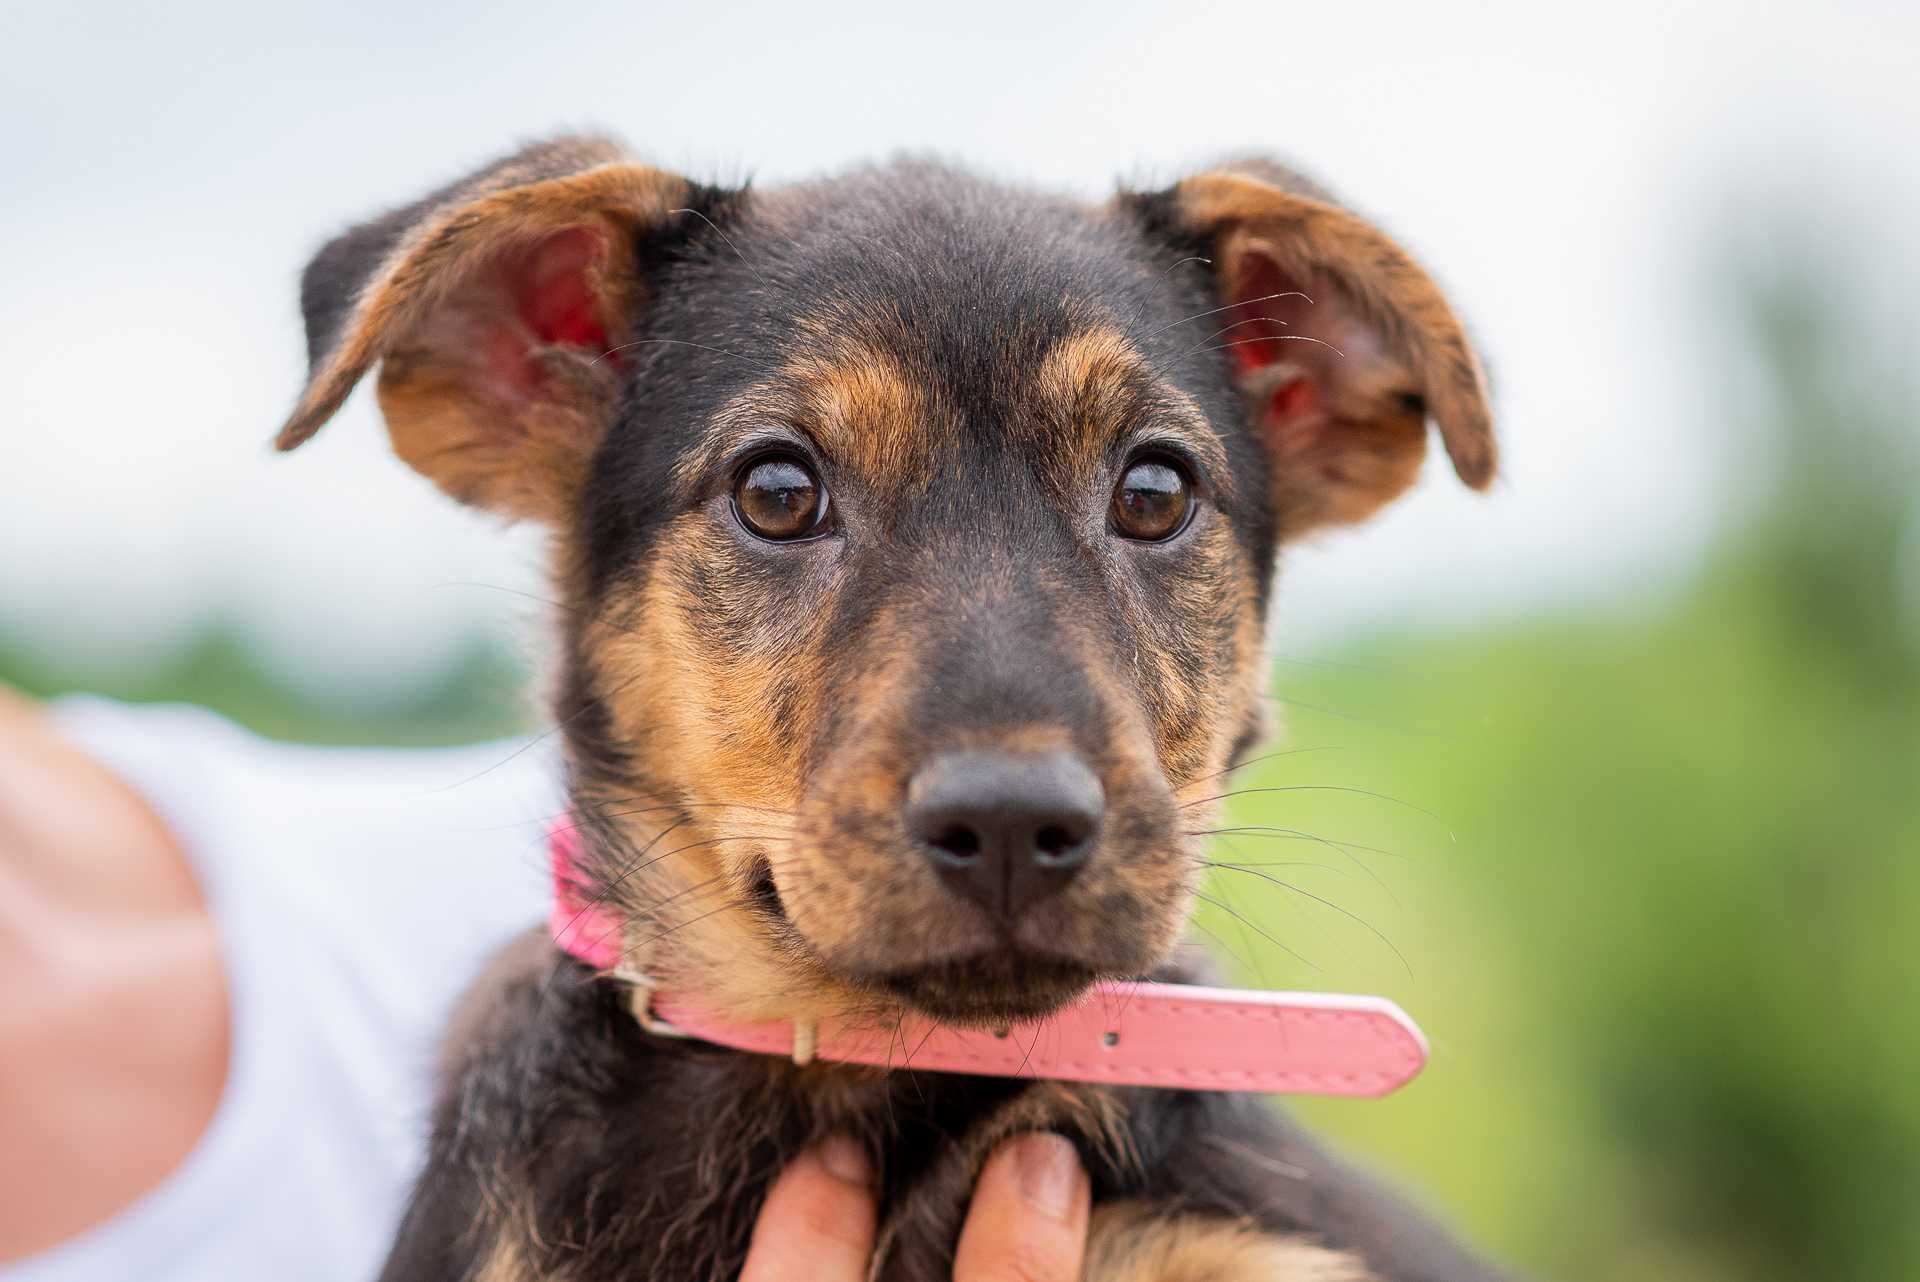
779 497
1152 501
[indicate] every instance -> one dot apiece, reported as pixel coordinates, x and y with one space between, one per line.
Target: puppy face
914 533
943 590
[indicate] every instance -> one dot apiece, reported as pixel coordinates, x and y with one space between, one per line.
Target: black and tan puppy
914 537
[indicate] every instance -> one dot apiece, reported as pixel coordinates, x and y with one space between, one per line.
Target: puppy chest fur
573 1145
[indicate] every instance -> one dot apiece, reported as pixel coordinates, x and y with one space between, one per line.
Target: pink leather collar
1131 1034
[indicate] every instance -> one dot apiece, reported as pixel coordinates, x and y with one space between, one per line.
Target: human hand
1027 1223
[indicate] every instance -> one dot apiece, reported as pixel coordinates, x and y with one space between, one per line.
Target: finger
1028 1222
818 1221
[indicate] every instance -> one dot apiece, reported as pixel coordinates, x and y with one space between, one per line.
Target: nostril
1056 842
1004 829
957 841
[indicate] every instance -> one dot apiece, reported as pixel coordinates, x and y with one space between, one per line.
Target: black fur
599 1151
647 1157
962 279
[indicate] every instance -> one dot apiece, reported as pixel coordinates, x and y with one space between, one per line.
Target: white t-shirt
356 893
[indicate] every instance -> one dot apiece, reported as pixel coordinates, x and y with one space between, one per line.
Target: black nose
1005 830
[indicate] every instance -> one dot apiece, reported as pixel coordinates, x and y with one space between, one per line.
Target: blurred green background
1661 918
1647 872
1621 801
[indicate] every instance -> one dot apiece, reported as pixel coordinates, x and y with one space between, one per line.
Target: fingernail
1050 1174
846 1160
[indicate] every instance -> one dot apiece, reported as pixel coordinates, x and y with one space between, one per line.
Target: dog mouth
984 989
991 988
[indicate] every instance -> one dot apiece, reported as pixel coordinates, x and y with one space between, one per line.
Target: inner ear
1341 414
539 294
553 290
1342 345
495 310
1303 352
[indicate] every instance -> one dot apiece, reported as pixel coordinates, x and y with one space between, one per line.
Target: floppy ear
1340 343
495 308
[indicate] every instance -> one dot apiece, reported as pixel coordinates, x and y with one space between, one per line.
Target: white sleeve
356 892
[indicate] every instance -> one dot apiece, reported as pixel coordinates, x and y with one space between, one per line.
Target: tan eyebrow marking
1088 373
860 404
866 410
1099 384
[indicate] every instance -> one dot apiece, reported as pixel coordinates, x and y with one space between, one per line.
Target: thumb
1028 1222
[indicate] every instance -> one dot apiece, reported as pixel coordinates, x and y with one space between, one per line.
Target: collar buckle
641 1001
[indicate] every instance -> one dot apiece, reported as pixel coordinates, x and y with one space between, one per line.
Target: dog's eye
1152 501
777 496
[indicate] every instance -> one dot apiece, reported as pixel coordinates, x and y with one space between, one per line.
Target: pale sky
167 170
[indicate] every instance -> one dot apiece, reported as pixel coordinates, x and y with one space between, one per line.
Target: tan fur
727 691
529 466
1373 455
1087 363
1130 1242
420 311
1085 376
1092 385
505 1262
742 725
867 411
859 404
712 736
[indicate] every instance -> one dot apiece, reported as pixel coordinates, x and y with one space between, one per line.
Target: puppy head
914 534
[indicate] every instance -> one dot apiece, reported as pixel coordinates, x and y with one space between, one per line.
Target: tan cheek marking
1218 701
640 673
724 719
845 892
1240 702
702 715
1132 1242
1250 666
1189 707
1160 880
